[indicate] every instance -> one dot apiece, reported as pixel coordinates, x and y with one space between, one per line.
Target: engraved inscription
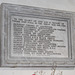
36 37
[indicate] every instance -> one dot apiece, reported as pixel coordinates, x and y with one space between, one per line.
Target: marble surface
68 5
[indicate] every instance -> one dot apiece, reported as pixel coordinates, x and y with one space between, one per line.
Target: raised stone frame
8 10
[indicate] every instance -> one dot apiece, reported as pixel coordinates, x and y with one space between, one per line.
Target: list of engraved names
36 37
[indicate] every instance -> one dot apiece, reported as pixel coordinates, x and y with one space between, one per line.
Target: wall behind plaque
68 5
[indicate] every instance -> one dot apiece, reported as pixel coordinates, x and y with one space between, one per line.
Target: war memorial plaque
36 37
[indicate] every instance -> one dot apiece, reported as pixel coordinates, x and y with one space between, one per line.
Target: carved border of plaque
9 11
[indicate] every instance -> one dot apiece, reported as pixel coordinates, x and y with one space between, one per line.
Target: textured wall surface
68 5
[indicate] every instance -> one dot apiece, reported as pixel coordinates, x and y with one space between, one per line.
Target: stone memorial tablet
36 37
